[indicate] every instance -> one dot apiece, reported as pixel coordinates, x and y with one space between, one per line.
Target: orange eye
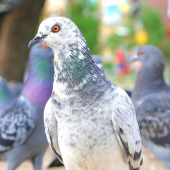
56 28
44 47
142 53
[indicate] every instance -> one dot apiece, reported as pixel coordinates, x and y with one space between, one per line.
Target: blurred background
113 29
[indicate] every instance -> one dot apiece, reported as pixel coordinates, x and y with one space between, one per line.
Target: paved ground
150 163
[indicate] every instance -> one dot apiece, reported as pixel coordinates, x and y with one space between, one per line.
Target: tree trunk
17 29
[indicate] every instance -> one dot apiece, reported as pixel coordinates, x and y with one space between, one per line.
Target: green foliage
127 42
151 19
163 45
108 65
84 14
152 23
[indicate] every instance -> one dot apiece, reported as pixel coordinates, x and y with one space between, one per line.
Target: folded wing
16 123
126 129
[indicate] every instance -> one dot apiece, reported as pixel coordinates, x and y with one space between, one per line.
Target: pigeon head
56 31
150 76
150 56
73 64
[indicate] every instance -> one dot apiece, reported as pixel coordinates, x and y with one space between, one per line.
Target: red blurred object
168 31
121 62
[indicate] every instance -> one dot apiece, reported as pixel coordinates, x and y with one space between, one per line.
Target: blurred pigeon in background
151 98
90 123
8 92
129 93
22 133
15 88
55 162
5 95
98 61
9 5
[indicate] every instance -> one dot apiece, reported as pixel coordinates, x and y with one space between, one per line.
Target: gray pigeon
8 92
98 61
22 133
151 98
9 5
15 88
90 123
5 95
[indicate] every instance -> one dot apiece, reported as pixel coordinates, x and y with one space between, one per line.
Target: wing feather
16 123
153 115
51 128
127 129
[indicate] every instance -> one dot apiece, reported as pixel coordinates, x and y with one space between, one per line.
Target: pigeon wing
153 114
127 129
16 123
51 127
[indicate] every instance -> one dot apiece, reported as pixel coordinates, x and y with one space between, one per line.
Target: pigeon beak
36 40
136 63
134 59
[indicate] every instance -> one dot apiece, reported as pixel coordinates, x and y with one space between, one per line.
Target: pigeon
8 92
5 95
129 93
22 134
15 88
151 98
98 61
90 123
9 5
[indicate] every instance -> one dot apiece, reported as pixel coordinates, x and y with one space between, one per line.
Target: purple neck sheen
39 84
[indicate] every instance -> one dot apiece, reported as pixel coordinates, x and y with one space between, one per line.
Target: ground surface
150 163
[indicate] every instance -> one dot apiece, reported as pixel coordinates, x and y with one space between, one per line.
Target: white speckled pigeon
22 133
98 61
90 123
151 98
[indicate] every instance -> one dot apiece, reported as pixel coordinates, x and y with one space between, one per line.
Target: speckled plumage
151 98
98 61
21 124
90 123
